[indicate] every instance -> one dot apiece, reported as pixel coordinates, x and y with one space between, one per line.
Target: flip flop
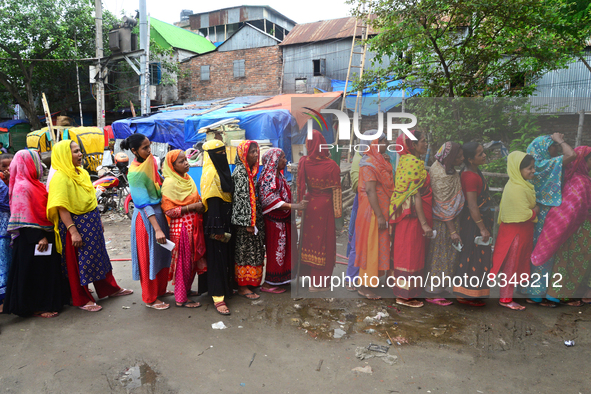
272 290
250 294
188 304
512 305
586 300
439 301
88 307
221 303
122 292
410 303
575 303
159 307
40 314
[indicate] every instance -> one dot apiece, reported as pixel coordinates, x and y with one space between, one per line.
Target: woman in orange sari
372 245
411 212
319 183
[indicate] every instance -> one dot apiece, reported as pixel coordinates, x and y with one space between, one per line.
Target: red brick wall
262 69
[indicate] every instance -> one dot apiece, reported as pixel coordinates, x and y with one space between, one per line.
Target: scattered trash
257 302
341 322
219 326
240 327
378 348
437 332
243 384
338 333
360 304
297 306
125 307
366 369
370 331
400 340
253 356
296 321
319 365
389 342
569 343
363 353
395 308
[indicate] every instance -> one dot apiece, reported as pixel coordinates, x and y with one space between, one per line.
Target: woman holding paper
182 204
216 190
36 285
150 262
72 208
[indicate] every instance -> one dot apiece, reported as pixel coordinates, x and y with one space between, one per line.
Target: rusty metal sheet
322 31
195 22
214 18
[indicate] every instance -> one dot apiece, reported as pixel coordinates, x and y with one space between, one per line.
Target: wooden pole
580 128
48 118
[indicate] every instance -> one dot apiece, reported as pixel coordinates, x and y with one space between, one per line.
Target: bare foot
370 295
512 305
46 315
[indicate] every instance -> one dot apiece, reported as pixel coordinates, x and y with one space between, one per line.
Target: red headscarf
326 173
28 196
379 162
579 165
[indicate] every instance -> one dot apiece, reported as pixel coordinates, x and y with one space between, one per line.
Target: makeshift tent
369 106
91 141
13 133
273 125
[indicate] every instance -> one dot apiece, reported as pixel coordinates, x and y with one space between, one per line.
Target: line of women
425 224
221 236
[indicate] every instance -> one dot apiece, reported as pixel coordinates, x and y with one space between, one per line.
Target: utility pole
144 69
100 83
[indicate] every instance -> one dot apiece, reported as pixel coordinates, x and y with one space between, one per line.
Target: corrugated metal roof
322 31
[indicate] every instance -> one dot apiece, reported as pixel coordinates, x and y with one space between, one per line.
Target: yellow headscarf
69 188
519 196
211 185
177 190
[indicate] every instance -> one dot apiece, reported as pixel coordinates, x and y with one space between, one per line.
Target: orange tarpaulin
295 104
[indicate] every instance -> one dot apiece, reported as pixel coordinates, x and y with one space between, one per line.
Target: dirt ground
285 345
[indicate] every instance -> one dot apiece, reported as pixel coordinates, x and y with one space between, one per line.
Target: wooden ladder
360 23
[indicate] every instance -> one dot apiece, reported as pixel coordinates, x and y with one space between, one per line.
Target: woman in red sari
411 212
319 182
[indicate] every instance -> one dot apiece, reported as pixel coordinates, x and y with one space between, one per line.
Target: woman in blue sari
548 184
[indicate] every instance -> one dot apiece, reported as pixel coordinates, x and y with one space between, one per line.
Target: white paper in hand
256 230
46 253
168 245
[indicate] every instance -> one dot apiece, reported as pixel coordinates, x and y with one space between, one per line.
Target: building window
301 85
205 73
239 68
319 67
155 73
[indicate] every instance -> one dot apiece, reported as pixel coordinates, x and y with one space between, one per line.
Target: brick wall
262 69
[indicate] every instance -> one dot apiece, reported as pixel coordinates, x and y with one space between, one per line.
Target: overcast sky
301 11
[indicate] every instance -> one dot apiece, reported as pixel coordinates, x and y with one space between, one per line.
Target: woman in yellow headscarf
517 215
72 208
216 191
182 204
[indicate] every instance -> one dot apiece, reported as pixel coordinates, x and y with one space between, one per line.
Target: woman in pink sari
567 234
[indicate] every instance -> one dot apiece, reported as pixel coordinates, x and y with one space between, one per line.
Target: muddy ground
285 345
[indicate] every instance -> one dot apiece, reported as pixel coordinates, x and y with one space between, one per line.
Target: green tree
48 30
468 48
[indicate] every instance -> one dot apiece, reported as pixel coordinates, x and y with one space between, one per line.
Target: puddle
138 376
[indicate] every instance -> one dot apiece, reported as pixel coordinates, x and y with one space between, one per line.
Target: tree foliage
468 48
44 29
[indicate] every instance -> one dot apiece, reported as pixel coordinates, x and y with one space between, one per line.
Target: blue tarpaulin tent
388 98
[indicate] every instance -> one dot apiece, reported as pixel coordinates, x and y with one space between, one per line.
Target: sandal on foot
412 303
512 305
220 304
576 303
158 306
370 295
45 315
272 290
188 304
586 300
351 288
122 292
439 301
250 296
91 308
471 302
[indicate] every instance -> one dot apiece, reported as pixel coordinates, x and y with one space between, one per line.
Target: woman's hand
537 209
455 239
485 234
558 138
199 207
382 224
43 245
250 229
76 239
302 205
160 237
427 231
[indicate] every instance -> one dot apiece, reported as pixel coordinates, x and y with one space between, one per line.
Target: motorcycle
112 190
